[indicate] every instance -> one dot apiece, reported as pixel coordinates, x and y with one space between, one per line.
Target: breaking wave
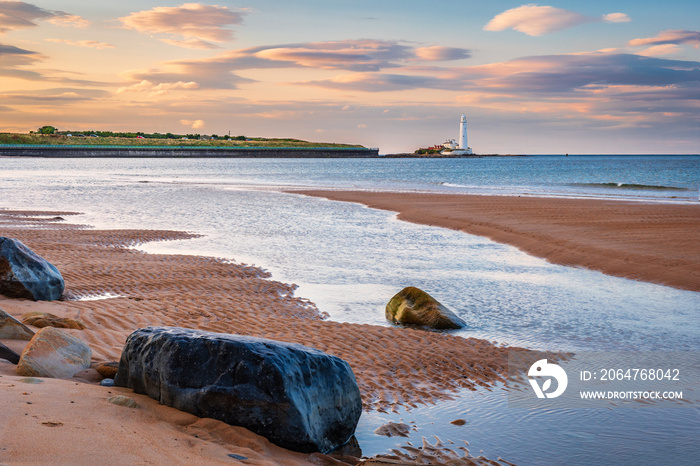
645 187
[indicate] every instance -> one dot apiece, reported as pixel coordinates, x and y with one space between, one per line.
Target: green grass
62 140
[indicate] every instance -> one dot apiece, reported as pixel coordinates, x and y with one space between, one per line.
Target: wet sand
658 243
71 422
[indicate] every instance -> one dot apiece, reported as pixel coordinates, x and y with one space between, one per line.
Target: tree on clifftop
47 130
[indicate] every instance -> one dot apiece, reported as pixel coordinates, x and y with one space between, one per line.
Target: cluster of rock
297 397
51 352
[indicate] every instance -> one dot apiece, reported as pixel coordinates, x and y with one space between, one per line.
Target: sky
594 77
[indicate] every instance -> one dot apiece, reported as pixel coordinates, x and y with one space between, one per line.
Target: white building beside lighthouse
461 148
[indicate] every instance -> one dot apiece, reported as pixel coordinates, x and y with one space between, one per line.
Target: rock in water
414 306
299 398
7 353
54 353
13 329
24 274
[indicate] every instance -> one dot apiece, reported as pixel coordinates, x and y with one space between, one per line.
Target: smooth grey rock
13 329
55 353
8 354
25 274
297 397
414 306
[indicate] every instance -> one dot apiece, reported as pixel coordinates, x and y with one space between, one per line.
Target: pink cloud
194 22
194 124
670 36
437 53
19 15
94 44
70 21
158 89
536 20
660 50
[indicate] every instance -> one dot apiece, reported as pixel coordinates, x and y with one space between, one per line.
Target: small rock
108 370
54 353
393 429
52 423
45 319
25 274
8 354
31 380
121 400
107 382
458 422
13 329
414 306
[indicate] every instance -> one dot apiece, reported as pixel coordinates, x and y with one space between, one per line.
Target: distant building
461 148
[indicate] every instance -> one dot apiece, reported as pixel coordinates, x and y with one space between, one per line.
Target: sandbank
70 421
652 242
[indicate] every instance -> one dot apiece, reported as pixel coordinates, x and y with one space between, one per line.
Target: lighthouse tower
453 147
463 133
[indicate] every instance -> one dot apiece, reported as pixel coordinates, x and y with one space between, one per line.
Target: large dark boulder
25 274
414 306
297 397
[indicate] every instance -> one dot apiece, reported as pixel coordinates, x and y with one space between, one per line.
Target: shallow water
350 260
599 436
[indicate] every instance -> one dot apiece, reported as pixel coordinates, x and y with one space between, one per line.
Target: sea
350 260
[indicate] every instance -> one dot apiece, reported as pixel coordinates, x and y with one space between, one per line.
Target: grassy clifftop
156 140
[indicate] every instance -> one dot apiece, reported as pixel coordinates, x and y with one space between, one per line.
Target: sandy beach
204 293
651 242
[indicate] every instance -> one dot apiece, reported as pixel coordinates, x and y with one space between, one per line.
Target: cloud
616 18
551 80
670 36
191 43
381 82
158 89
93 44
216 73
71 21
19 15
219 72
660 50
194 124
355 55
536 20
13 56
14 59
585 71
441 53
190 25
52 97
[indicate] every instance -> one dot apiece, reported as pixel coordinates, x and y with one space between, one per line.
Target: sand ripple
394 366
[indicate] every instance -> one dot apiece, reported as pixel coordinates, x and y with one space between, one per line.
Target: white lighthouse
461 148
463 133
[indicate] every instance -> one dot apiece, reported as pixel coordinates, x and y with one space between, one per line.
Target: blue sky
550 77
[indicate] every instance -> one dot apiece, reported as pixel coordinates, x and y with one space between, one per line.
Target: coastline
422 367
95 151
655 243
